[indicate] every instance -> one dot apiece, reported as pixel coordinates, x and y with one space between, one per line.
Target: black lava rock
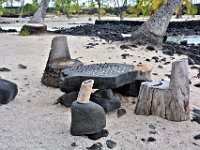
111 144
147 60
4 69
95 146
152 126
96 136
190 61
8 91
124 56
151 48
106 99
196 115
68 98
22 66
151 139
197 137
74 144
87 118
197 85
121 112
184 42
122 47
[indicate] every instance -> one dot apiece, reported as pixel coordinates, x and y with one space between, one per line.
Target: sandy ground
31 122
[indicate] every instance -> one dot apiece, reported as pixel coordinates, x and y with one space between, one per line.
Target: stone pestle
87 117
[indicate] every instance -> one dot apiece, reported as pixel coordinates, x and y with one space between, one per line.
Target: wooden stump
169 100
59 59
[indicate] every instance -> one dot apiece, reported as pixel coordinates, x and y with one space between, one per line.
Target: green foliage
30 9
24 32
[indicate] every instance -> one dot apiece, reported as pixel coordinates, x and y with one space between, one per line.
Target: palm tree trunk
22 9
39 15
153 30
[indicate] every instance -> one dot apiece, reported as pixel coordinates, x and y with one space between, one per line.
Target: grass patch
25 32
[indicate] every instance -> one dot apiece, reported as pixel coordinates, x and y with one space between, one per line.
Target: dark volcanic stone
96 136
87 118
117 75
96 146
4 69
151 48
8 91
22 66
74 144
151 139
184 42
106 99
131 89
68 98
196 115
124 56
197 137
152 126
121 112
122 47
111 144
197 85
147 60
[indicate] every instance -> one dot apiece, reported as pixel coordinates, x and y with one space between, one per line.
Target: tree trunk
169 100
153 30
36 24
22 9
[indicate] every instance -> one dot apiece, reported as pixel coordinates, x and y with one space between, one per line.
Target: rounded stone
87 118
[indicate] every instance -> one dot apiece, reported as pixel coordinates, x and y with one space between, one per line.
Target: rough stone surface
87 118
111 144
68 98
133 88
96 146
8 91
117 75
96 136
106 99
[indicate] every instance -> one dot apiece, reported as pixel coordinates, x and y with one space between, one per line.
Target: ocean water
195 39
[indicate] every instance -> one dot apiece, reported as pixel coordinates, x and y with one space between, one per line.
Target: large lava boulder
8 91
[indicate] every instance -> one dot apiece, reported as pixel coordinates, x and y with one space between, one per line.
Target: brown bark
153 30
169 100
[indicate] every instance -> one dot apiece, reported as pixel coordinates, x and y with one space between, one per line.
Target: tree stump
59 58
169 100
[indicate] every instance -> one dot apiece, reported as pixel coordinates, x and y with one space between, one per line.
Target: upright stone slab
59 58
105 76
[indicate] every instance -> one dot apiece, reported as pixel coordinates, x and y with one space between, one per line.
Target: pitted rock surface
117 75
87 118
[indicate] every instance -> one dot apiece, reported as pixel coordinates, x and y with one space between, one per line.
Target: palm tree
153 30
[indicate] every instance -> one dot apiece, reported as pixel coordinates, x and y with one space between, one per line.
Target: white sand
31 122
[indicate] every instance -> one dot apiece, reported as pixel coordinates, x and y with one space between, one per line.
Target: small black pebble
142 139
152 132
166 63
122 47
22 66
197 137
121 112
159 66
155 74
152 126
197 85
111 144
95 146
151 48
168 75
148 60
96 136
74 144
151 139
4 69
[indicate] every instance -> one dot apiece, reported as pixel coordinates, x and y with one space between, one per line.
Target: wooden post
85 91
169 100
